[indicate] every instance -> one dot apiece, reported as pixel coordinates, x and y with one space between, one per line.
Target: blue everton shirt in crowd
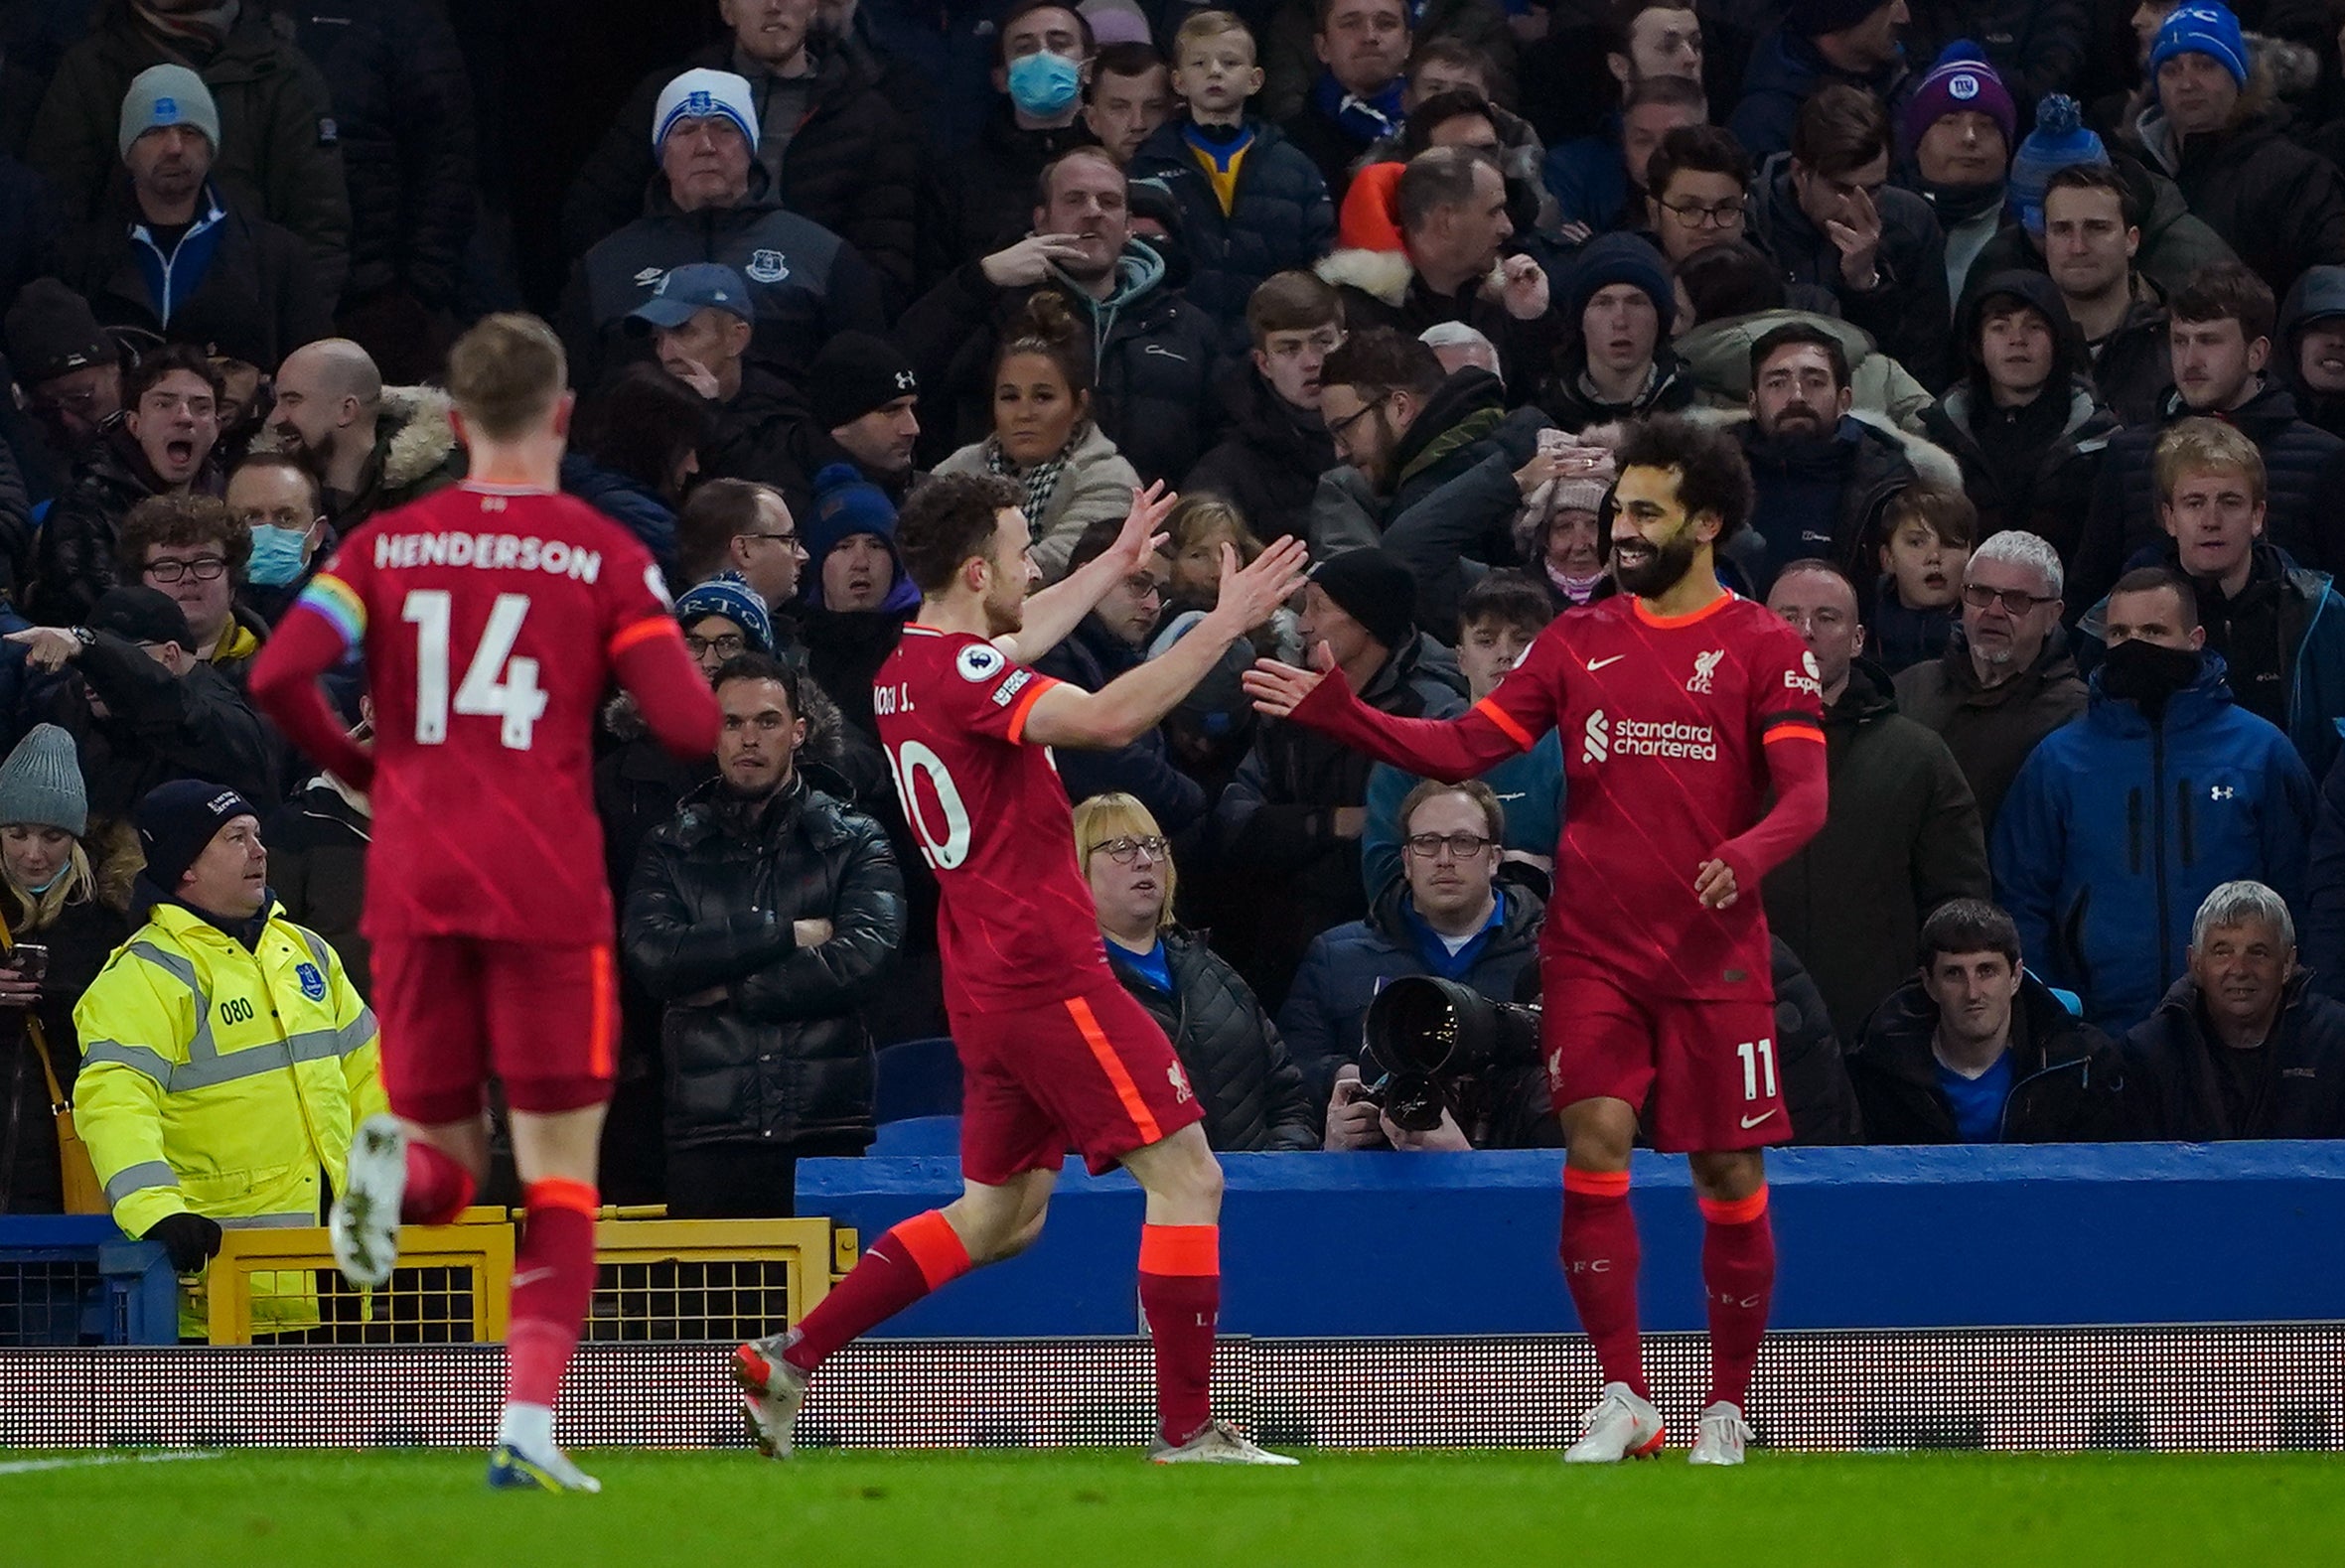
1977 1103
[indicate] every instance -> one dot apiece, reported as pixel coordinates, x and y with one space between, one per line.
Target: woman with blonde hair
65 914
1245 1081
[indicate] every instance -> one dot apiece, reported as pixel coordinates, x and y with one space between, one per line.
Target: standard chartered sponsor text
1688 742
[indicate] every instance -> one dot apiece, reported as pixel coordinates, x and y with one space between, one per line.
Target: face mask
2148 673
1043 84
277 557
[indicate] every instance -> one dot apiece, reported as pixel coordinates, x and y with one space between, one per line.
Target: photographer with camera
1449 919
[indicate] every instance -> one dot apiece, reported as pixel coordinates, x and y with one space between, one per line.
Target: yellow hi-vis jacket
225 1082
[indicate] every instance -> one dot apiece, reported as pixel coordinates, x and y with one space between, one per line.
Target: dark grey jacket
1246 1084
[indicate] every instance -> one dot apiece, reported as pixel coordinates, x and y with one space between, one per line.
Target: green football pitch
966 1510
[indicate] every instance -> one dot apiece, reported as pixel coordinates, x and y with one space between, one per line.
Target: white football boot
1621 1426
771 1392
1723 1435
365 1222
1218 1444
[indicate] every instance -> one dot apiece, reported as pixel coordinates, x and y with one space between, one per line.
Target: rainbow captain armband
331 598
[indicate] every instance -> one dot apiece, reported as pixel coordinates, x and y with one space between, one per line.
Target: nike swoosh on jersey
1595 665
1748 1122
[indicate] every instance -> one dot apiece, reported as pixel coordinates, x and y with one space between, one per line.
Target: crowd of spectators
2030 322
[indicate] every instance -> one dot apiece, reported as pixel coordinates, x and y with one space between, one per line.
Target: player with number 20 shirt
1680 706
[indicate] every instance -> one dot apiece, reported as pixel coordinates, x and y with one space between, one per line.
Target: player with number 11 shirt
1680 706
491 618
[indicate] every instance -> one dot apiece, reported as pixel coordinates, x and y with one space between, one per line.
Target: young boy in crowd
1274 446
1251 203
1930 532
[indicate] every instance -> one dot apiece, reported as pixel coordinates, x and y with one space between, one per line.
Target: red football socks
1739 1278
1181 1297
553 1284
1600 1266
438 1188
921 1254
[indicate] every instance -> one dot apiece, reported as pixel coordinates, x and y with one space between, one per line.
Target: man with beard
2005 680
2279 626
163 445
373 447
1054 1050
175 254
2099 855
764 914
1824 478
1156 356
2313 346
1683 708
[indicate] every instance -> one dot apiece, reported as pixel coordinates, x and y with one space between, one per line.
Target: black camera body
1425 1036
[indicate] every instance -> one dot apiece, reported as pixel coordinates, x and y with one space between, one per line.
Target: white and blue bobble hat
701 94
163 95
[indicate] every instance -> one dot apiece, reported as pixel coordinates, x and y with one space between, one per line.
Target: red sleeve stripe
1793 731
1488 707
642 632
1041 683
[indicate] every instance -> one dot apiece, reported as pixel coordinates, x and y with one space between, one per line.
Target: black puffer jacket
80 940
853 165
783 1055
1276 822
2068 1079
2172 1090
160 727
2279 207
2303 475
257 301
1280 218
402 104
1907 311
1269 464
1246 1084
1157 357
1574 405
2059 493
1900 837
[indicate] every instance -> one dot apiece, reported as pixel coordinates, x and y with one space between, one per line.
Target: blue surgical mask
1043 84
277 555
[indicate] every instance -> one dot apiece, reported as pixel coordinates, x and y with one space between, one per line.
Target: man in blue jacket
2124 820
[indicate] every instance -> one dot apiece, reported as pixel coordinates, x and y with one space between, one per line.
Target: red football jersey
1015 922
490 619
1664 724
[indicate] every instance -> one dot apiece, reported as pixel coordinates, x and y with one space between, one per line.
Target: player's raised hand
1250 594
1714 885
1143 527
1278 688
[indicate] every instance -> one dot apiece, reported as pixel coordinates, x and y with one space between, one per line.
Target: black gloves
191 1240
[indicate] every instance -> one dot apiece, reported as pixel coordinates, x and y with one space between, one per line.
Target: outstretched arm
1120 712
1794 766
1058 609
1509 720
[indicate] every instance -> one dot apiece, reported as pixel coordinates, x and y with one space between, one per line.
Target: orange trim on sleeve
1734 1211
1595 1184
602 1029
1194 1250
561 1193
936 1247
642 631
1041 683
1488 707
1792 732
1088 1025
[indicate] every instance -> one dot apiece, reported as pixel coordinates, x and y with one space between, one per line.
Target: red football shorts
454 1009
1704 1074
1093 1072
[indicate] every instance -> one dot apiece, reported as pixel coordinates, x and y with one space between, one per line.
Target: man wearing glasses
1447 916
1697 182
192 549
2005 680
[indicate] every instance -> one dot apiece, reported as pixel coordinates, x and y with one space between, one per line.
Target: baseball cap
141 614
686 291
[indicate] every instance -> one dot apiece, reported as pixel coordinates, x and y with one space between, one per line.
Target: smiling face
2321 355
1035 412
1571 543
1654 542
175 424
858 572
1973 992
2242 972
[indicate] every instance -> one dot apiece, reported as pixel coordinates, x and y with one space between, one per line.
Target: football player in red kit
1054 1050
491 617
1680 706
